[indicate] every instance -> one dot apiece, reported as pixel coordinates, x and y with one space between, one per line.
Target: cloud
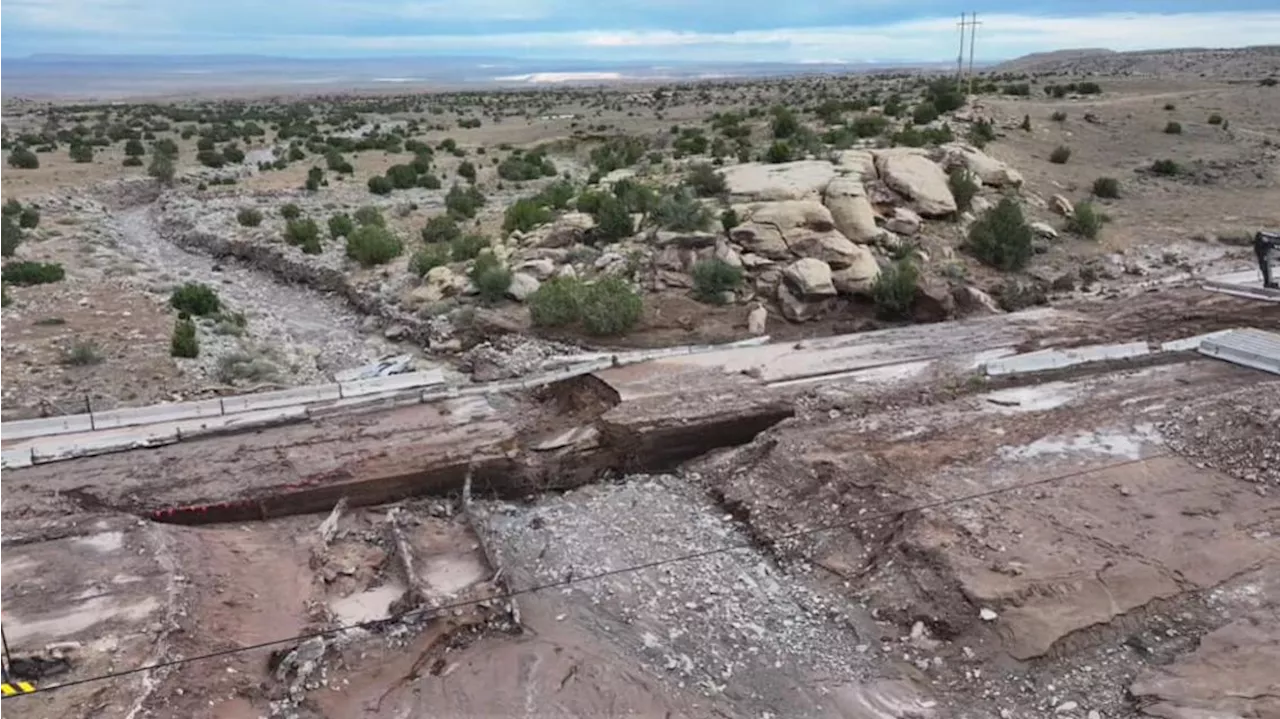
525 28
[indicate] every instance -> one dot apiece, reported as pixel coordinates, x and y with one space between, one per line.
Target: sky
672 30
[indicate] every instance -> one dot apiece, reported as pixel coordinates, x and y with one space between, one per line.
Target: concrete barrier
16 458
280 398
392 383
240 422
104 444
156 413
27 428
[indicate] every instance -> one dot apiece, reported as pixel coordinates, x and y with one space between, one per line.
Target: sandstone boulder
1062 206
757 318
831 247
792 213
763 241
903 222
910 172
933 303
859 276
856 164
541 268
809 278
973 301
756 181
851 211
522 285
726 253
569 229
445 281
798 309
1045 230
987 169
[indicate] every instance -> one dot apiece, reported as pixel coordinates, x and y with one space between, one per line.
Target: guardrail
218 407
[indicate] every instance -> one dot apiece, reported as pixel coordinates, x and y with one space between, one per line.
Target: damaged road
713 536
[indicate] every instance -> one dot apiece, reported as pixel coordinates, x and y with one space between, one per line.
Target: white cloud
1000 36
160 26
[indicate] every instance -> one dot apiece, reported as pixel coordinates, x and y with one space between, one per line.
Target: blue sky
707 30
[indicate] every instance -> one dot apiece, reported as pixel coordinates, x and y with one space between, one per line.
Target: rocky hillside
1248 62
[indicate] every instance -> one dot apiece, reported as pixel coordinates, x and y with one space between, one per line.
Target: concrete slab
280 398
396 382
156 414
1248 347
26 428
1057 359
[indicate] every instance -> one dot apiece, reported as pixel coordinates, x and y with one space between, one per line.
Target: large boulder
856 164
903 222
756 181
851 211
859 276
569 229
810 278
725 253
987 169
910 172
770 227
797 308
757 318
522 285
831 247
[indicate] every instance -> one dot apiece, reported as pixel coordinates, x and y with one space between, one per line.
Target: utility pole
973 32
960 58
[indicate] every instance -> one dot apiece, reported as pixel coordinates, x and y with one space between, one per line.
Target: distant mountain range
117 76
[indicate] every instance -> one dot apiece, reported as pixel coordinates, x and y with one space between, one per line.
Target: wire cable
701 554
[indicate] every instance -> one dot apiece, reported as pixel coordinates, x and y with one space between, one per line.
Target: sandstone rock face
985 168
445 281
761 241
1045 230
933 303
851 211
726 254
856 164
973 301
756 181
911 173
798 309
1062 206
770 226
541 268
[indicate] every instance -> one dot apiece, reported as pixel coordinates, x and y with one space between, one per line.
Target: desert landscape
860 395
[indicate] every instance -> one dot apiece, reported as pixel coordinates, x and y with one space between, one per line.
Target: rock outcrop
756 181
910 172
988 170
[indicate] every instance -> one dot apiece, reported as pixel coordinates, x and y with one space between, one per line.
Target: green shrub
369 215
556 302
729 219
963 187
401 177
869 125
490 277
681 211
467 247
784 123
23 159
184 342
1058 116
249 217
1002 238
464 203
705 181
441 228
1106 187
712 278
613 221
1060 155
1173 128
429 181
524 215
161 168
303 232
610 306
380 185
12 236
29 218
82 354
81 153
467 171
11 208
290 211
5 299
523 166
194 298
373 245
924 113
1215 119
1086 221
981 133
32 273
778 152
428 258
132 162
894 291
944 95
1166 167
340 225
557 195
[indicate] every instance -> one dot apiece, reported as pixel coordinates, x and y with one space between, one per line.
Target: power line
701 554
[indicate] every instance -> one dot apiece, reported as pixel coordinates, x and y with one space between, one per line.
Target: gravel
729 624
1237 433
